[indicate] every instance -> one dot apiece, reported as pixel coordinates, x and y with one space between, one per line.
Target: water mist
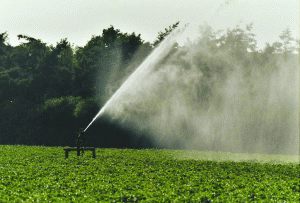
191 97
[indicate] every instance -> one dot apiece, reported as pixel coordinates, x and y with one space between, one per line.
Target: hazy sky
78 20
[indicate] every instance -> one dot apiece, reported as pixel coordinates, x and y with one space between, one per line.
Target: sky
79 20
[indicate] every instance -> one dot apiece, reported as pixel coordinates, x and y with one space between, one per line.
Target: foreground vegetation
42 174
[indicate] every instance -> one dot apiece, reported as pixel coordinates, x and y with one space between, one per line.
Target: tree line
48 92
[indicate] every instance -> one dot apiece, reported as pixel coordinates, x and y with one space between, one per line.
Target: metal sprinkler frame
81 138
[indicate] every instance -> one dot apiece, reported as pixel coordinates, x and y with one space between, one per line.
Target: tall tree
104 55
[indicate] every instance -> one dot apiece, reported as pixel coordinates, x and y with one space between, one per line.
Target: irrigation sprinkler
79 141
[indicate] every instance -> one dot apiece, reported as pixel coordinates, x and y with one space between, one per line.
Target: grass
42 174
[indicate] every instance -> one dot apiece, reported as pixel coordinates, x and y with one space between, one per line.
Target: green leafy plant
33 174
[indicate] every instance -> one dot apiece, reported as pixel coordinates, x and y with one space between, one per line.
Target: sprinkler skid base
67 150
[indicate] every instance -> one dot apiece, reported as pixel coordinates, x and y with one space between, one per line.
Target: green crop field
42 174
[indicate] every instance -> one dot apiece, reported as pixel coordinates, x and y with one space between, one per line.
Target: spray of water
141 72
192 97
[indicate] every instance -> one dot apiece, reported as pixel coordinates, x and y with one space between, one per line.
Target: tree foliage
162 35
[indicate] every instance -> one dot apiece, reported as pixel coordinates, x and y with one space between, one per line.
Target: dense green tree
63 64
105 58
